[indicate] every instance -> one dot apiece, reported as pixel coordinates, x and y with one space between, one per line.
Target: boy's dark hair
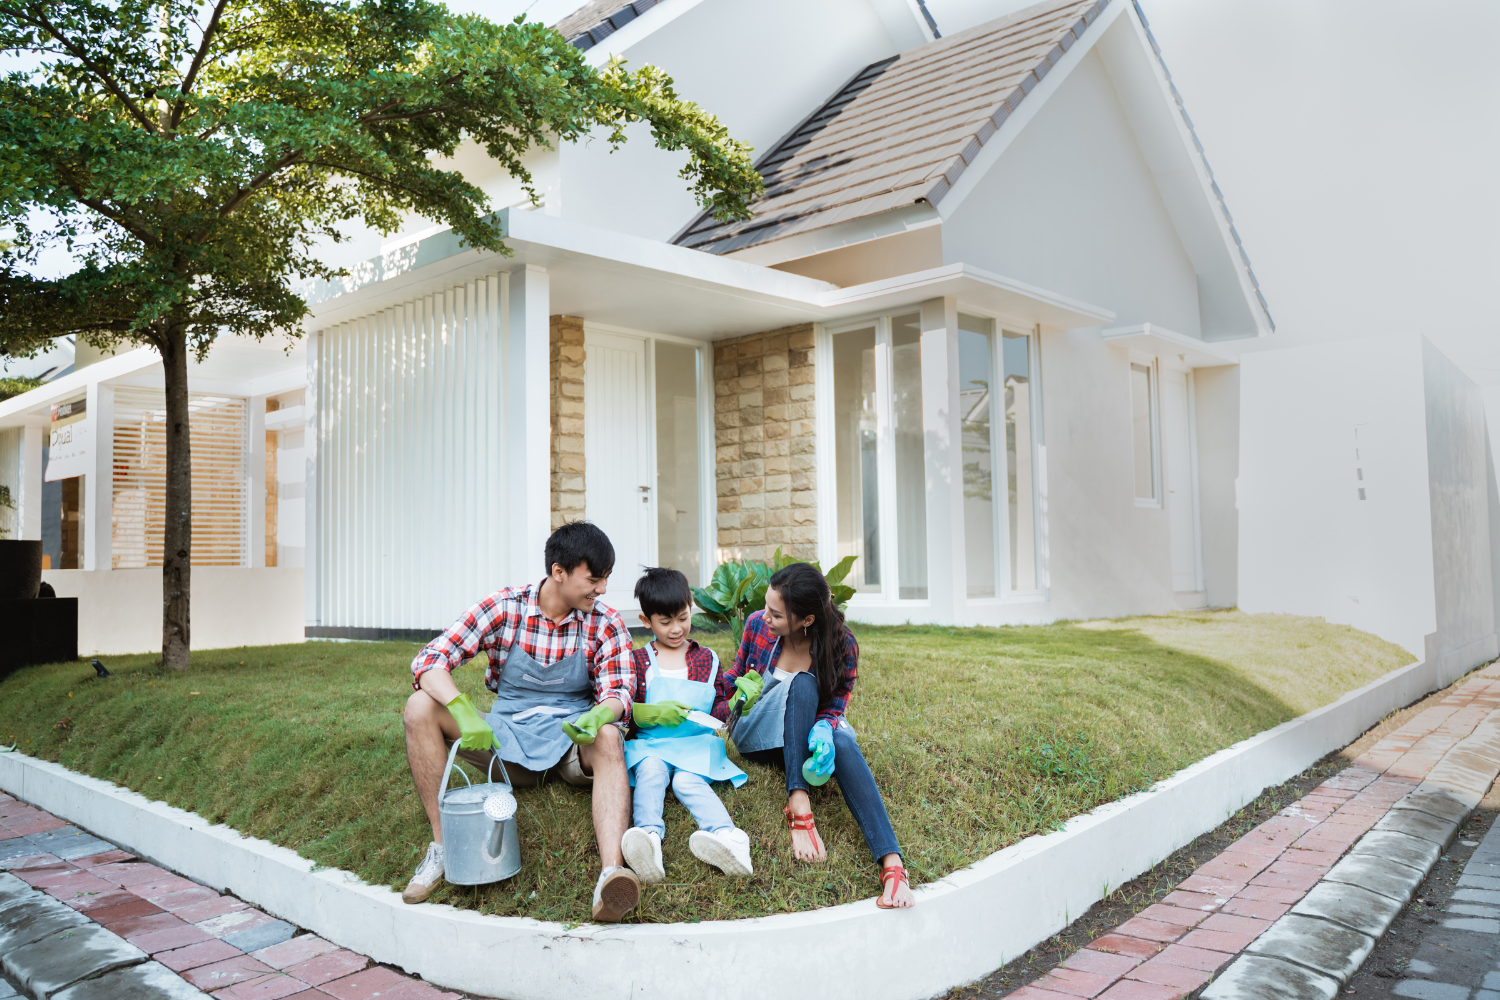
662 591
580 542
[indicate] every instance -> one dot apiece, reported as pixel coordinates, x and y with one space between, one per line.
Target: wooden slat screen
219 435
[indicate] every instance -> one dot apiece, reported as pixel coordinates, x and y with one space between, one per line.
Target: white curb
963 927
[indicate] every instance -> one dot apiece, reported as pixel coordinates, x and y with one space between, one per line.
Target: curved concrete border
963 927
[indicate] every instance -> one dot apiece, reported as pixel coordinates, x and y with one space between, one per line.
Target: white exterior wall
1072 207
119 610
1218 398
429 477
1411 562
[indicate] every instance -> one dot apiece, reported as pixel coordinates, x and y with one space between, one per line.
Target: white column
256 557
311 525
99 482
527 421
944 456
29 503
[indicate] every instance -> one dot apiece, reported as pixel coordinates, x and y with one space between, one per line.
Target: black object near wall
34 629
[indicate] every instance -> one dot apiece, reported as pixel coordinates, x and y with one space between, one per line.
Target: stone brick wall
566 365
763 433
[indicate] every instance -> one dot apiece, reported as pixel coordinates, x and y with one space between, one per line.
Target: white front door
617 451
1179 479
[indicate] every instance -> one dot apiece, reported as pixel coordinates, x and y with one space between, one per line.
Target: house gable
909 141
1073 207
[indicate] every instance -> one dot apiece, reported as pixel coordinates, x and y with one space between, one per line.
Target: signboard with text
70 450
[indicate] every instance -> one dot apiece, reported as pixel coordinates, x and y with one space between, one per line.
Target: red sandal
888 874
804 821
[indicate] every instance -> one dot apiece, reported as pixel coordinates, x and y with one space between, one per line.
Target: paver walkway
1174 947
217 943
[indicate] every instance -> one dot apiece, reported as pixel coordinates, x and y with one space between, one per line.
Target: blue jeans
651 778
856 783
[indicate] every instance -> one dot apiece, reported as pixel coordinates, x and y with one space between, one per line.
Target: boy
674 676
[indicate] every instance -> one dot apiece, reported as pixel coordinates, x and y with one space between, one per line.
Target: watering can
480 840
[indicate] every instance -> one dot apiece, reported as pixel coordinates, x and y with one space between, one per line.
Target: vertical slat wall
10 477
411 462
218 429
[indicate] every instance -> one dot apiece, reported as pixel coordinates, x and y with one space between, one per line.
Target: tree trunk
177 536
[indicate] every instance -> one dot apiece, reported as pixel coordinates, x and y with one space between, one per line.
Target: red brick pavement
180 924
1173 947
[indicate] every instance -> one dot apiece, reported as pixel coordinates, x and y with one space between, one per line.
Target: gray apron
765 727
533 701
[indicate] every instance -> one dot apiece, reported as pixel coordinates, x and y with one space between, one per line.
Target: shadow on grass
979 737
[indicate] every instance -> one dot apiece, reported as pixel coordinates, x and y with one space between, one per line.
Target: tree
191 156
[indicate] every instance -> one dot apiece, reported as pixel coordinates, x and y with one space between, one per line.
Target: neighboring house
983 333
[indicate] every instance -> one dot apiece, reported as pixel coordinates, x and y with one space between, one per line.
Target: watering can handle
489 771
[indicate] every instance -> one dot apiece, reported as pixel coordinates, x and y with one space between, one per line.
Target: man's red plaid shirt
512 616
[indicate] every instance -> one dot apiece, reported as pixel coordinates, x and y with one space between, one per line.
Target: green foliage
6 503
17 384
738 590
1061 757
193 156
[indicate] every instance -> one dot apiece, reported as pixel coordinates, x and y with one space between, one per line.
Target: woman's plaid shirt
759 650
513 616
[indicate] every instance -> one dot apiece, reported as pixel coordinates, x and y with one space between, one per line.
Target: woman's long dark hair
804 592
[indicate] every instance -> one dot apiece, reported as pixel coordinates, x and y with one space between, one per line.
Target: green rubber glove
587 727
661 713
473 732
747 689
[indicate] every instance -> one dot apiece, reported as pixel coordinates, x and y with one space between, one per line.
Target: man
559 664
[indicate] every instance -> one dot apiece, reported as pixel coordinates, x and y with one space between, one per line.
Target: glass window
1143 419
976 405
677 487
856 441
911 465
1019 468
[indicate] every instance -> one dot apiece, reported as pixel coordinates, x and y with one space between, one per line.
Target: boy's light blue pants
652 776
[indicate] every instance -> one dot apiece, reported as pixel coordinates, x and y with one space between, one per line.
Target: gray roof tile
598 19
903 129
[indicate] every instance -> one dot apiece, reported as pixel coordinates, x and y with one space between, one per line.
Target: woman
809 661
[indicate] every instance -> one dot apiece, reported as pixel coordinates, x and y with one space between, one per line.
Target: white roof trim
1163 343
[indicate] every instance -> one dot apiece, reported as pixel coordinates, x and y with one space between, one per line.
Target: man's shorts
568 770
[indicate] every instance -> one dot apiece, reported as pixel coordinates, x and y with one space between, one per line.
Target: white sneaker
615 894
642 850
429 874
727 850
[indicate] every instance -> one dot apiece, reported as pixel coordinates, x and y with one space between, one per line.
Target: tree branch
192 73
77 52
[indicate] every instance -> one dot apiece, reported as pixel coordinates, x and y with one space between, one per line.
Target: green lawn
979 737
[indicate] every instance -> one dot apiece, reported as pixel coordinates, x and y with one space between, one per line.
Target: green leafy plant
738 590
17 384
6 503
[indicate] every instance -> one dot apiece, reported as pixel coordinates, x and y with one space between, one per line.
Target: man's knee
419 712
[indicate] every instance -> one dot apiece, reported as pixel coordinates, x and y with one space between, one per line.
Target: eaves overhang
640 284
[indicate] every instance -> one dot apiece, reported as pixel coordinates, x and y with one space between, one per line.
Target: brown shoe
617 893
428 877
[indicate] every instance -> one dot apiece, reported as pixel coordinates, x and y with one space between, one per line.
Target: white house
985 332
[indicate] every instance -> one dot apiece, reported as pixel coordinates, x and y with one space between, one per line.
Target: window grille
219 439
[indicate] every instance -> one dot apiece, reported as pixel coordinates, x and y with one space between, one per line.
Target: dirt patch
1149 887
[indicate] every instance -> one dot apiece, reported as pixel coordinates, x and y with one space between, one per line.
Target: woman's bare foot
806 844
896 894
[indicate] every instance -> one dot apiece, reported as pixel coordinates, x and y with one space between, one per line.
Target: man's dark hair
580 542
663 591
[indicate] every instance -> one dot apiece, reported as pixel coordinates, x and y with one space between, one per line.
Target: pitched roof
903 129
598 19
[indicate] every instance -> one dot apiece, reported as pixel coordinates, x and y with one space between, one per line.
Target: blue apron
531 703
764 728
688 746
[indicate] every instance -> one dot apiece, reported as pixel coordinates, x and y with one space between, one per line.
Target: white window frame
1153 392
1000 469
827 465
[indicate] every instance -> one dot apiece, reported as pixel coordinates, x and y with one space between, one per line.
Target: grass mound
979 737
